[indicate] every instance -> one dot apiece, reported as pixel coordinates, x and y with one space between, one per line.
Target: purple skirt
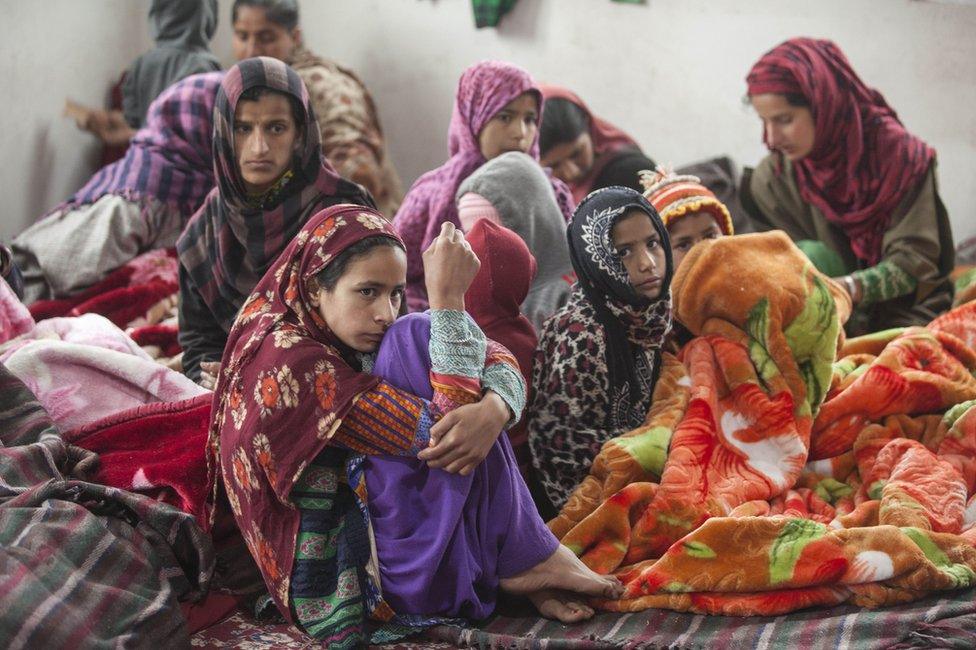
444 540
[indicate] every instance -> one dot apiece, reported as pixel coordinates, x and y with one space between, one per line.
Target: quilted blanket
781 467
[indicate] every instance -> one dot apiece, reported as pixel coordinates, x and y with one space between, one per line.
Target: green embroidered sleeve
884 281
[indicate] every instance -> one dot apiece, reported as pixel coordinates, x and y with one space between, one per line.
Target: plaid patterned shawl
229 244
169 158
129 559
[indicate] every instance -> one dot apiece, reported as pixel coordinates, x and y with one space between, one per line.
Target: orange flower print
291 291
322 378
370 221
243 472
262 451
267 393
256 305
326 229
237 409
263 554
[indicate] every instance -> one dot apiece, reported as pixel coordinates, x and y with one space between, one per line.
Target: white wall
670 72
50 50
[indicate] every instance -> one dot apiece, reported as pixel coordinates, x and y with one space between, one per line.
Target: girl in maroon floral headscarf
846 175
307 442
497 109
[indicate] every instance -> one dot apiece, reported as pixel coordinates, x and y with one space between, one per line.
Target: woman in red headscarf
584 151
850 184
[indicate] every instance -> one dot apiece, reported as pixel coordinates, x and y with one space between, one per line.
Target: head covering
628 319
182 30
281 355
495 296
230 242
522 194
863 161
483 90
600 354
607 139
675 196
170 158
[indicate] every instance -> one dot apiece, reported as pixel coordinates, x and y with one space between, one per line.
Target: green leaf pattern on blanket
830 490
757 326
649 449
952 416
960 574
789 545
812 336
699 550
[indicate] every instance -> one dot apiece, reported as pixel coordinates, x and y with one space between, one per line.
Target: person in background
349 124
846 180
496 111
689 210
271 177
182 30
136 204
600 355
584 151
513 191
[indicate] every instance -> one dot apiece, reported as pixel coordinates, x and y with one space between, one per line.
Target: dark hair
797 99
280 12
328 277
793 99
562 121
255 93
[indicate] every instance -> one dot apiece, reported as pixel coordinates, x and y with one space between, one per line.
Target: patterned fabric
607 139
349 124
128 555
863 161
488 13
884 281
288 390
677 195
170 158
483 90
229 244
599 355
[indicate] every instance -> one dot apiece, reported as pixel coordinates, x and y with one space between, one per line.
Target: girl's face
265 138
789 129
688 231
511 129
642 252
366 299
571 161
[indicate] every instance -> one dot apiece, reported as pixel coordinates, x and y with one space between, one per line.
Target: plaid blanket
84 565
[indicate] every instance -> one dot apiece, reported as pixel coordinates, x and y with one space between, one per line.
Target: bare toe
560 606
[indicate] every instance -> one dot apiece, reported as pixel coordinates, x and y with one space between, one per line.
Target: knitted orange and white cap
675 196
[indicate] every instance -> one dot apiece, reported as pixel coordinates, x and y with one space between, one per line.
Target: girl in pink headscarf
496 110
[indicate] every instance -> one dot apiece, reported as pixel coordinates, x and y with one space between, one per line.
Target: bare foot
563 570
560 606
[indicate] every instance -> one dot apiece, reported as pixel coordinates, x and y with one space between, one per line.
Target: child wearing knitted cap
689 210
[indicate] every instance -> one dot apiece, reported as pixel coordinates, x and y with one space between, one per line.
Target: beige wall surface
669 72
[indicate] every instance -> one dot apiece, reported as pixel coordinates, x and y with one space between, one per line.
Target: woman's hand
449 268
209 370
463 437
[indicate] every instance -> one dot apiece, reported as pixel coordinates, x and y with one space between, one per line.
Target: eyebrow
369 284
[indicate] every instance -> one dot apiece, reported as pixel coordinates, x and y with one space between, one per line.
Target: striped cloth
945 622
170 158
129 561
